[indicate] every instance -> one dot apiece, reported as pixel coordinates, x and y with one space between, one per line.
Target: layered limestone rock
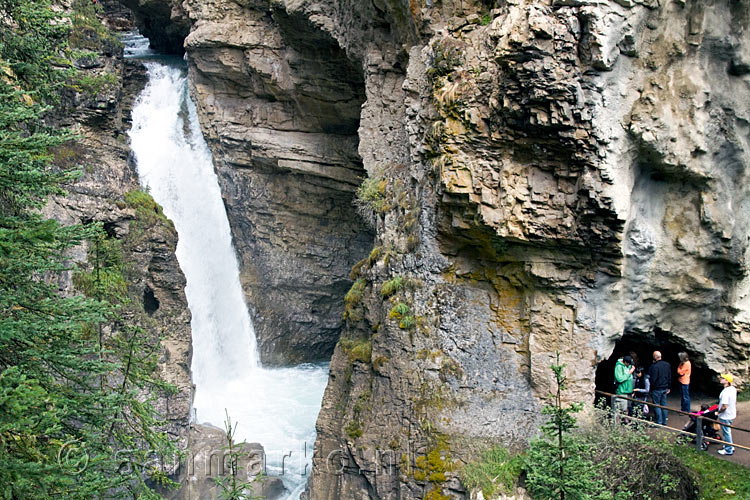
279 104
143 241
542 176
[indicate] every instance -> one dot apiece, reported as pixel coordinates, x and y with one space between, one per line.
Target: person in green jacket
624 369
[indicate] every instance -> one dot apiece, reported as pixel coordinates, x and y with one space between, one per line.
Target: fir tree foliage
233 486
558 465
77 381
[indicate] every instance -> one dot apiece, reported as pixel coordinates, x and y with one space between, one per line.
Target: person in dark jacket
660 375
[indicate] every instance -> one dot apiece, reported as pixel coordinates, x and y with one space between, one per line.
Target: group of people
633 381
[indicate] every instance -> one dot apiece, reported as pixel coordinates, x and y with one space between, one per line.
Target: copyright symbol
72 458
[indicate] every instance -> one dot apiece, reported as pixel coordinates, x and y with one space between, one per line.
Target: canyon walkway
743 420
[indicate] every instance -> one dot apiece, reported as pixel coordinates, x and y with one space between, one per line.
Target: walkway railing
699 419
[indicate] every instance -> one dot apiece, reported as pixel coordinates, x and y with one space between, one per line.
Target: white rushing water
276 407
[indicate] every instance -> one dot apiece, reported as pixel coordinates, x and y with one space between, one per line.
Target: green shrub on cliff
391 286
372 193
146 208
399 310
357 349
352 300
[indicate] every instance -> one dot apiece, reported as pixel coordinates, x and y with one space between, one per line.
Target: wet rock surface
546 176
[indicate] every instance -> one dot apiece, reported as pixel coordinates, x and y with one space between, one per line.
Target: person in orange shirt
683 370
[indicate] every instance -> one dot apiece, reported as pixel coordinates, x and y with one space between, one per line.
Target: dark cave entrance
150 302
704 382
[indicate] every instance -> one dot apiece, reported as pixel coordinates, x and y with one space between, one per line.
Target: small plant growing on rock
353 429
399 310
446 56
372 192
370 199
407 323
357 349
374 256
392 286
354 295
146 209
93 85
352 300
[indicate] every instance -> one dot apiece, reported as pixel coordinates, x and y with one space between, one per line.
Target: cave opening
704 382
150 302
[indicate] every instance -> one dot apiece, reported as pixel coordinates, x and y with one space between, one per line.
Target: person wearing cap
727 412
624 378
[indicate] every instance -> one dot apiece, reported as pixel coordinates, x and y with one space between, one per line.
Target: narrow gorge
436 197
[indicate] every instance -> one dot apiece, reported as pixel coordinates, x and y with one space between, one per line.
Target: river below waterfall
276 407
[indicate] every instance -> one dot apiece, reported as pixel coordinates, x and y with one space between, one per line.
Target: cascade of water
276 407
174 163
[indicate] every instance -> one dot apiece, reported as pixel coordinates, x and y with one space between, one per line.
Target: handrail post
699 432
615 413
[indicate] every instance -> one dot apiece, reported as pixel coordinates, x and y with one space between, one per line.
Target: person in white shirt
727 412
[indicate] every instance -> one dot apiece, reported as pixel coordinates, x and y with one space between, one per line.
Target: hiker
683 370
727 412
624 379
640 391
660 374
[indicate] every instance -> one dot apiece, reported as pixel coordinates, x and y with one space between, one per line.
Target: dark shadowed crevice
157 22
331 86
150 302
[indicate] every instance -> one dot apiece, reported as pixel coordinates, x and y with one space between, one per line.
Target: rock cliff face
543 176
100 114
279 102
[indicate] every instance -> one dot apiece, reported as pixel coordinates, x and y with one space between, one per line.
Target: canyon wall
140 242
542 176
279 104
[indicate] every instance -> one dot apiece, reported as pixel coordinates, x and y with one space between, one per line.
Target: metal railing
699 419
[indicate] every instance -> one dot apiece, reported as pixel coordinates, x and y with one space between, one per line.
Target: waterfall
276 407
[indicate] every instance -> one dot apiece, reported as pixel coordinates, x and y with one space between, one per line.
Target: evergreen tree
558 465
76 384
